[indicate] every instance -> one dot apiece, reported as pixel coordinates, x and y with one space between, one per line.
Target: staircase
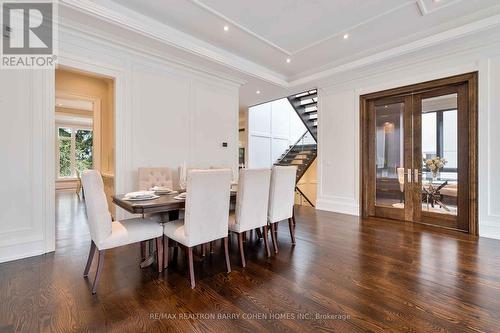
306 106
304 151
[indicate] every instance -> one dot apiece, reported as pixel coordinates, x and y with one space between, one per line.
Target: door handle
416 175
409 175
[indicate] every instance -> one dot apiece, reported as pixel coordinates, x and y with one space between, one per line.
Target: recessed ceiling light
226 28
288 60
346 36
257 92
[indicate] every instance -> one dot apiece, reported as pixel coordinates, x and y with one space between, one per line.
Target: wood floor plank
345 274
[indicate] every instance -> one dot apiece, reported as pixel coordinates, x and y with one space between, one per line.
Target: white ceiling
263 34
310 32
293 25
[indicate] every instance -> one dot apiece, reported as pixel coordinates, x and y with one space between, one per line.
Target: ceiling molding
134 48
148 27
322 40
151 28
351 28
239 26
426 11
415 46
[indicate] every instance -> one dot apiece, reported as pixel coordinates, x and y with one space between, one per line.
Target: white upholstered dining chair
401 181
206 215
252 201
281 200
150 177
106 234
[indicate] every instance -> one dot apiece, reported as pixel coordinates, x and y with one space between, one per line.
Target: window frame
74 129
440 136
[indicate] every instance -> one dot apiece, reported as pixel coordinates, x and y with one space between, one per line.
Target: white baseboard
489 231
21 251
338 206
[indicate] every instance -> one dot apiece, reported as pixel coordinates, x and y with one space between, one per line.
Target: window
439 138
74 150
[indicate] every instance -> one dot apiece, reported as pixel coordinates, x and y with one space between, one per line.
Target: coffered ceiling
309 32
318 37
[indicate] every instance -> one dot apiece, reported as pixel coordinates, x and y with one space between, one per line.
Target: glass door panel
389 154
437 115
419 153
389 161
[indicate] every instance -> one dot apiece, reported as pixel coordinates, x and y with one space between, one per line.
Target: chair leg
203 250
176 252
165 252
159 253
100 263
273 237
226 254
89 260
259 233
293 217
242 251
292 230
143 250
212 246
266 242
191 266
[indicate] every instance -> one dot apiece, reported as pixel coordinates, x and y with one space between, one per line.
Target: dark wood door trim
470 82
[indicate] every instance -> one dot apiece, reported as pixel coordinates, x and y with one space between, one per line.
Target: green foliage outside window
64 157
83 158
83 150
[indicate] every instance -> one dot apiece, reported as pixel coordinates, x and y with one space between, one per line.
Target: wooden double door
419 153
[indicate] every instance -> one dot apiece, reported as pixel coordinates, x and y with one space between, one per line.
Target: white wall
25 189
272 128
179 118
165 114
339 121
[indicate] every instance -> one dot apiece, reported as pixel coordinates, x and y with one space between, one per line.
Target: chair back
150 177
207 205
98 216
281 193
401 179
252 199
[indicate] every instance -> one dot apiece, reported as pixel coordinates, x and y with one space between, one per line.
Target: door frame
471 79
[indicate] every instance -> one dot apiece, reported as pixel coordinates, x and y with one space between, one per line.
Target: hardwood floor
372 275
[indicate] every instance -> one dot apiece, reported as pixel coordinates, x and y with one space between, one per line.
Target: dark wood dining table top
165 203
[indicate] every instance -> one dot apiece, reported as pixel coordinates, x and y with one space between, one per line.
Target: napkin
140 194
160 189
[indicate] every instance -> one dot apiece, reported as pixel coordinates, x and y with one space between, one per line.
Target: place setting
141 196
162 190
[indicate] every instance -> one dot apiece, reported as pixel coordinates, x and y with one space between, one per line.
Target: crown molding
151 28
241 27
294 52
449 35
84 32
127 19
426 11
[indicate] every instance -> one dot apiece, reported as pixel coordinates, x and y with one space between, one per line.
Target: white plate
180 197
164 192
142 198
160 189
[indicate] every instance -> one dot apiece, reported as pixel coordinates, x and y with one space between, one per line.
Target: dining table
166 205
